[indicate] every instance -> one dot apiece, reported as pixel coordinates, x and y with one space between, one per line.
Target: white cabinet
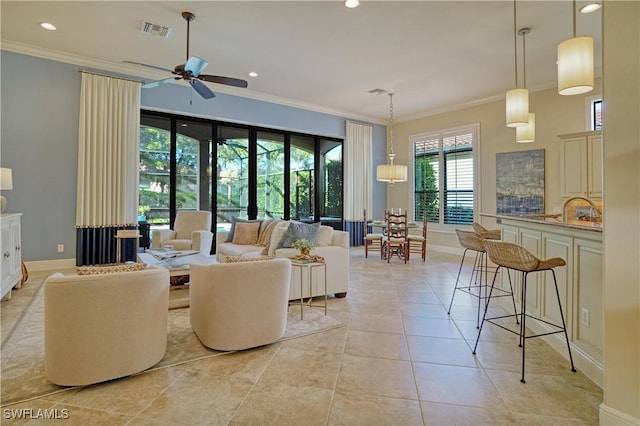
11 252
581 165
580 285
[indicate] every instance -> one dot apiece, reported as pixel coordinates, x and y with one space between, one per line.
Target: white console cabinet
11 253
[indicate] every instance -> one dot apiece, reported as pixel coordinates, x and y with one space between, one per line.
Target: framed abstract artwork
520 182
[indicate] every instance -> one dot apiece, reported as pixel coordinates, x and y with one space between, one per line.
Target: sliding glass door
270 193
253 172
232 174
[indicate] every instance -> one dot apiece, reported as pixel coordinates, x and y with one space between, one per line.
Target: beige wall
555 115
621 138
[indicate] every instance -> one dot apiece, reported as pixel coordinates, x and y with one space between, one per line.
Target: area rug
22 355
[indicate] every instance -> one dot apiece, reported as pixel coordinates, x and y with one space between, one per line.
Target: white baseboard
612 417
50 265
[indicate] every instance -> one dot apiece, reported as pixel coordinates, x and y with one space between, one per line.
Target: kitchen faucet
594 208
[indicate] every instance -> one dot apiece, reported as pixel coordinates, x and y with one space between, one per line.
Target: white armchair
237 306
191 231
102 327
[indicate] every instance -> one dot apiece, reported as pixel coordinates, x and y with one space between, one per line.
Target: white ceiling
433 55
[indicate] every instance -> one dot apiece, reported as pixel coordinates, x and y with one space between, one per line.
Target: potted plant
303 245
142 213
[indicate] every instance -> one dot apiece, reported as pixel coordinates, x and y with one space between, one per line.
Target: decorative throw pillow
276 236
110 268
246 233
238 259
232 231
297 231
265 232
325 236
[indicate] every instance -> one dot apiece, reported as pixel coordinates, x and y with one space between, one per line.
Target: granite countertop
574 224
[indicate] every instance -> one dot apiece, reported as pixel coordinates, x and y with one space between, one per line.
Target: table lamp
6 182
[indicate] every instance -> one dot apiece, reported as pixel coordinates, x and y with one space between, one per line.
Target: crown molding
136 72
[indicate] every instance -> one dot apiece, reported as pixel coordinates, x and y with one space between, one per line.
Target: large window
253 172
444 176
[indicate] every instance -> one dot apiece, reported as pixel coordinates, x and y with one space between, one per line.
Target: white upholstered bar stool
513 256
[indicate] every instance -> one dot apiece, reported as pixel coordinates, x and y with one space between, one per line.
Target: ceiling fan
190 71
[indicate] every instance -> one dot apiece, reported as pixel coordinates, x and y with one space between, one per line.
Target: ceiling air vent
155 29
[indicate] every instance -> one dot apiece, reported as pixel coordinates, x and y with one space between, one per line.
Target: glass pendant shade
575 66
517 107
527 134
391 173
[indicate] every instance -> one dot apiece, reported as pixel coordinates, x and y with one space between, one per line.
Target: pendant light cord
574 18
524 58
391 154
515 42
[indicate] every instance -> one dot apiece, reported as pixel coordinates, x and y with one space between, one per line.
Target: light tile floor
401 360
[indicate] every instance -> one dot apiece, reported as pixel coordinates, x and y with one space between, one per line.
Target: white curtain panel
109 133
358 188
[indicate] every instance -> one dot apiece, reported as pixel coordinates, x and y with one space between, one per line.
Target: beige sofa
229 312
332 245
106 326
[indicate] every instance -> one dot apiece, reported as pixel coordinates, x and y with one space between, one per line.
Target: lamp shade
391 173
517 107
527 134
575 66
6 178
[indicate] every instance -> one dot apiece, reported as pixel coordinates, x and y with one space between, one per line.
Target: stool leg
513 299
524 319
457 280
484 316
481 263
564 326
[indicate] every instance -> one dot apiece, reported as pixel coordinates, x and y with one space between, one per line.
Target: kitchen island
579 243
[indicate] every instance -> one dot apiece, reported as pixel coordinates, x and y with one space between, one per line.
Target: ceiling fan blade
158 83
202 90
147 66
224 80
195 65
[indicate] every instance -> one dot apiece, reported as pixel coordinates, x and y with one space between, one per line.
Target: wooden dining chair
395 241
417 243
372 240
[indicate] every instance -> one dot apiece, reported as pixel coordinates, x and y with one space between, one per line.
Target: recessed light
591 7
48 26
351 3
253 74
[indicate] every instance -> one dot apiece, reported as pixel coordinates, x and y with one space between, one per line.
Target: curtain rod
111 76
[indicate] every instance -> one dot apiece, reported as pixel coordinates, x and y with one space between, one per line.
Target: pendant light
527 133
517 100
575 63
391 172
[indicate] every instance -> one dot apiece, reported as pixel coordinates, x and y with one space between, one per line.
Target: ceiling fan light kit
191 69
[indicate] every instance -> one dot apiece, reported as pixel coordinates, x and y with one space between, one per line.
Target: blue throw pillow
233 227
297 231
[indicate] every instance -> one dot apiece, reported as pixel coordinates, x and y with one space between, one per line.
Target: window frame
474 129
590 120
